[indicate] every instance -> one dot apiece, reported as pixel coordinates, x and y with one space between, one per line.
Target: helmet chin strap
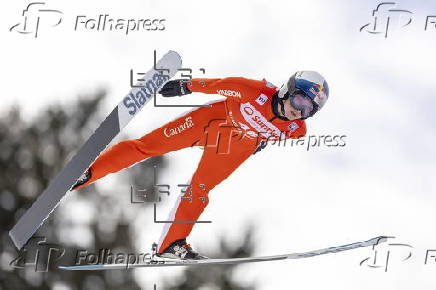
282 108
276 102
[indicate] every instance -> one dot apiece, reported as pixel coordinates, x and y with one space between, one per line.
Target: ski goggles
303 103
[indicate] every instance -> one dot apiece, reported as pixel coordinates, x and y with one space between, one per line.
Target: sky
381 99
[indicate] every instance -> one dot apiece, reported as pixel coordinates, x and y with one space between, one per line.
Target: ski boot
179 249
82 179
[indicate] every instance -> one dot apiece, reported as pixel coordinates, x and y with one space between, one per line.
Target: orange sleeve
237 88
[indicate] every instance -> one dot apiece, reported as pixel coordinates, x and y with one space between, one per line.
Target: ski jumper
228 130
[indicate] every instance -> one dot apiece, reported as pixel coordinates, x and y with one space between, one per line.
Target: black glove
175 88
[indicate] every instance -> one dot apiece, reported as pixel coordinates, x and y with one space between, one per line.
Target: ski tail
129 106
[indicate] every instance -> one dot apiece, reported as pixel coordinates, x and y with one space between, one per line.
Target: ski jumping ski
129 107
155 261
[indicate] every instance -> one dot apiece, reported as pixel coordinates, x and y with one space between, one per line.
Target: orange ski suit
229 130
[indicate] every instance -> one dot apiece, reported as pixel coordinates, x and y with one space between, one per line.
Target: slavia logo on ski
135 100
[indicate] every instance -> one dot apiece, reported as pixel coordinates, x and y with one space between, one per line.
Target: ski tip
175 54
380 239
